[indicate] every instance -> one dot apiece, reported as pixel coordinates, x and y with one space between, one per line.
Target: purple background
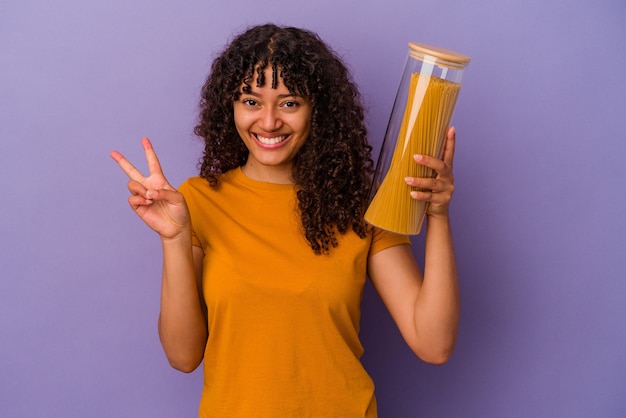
538 213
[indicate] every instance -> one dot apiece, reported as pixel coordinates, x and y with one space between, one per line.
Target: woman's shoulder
193 183
201 186
384 239
202 183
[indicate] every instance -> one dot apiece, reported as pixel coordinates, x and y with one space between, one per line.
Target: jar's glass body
421 114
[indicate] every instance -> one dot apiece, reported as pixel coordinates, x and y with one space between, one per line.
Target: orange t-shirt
283 322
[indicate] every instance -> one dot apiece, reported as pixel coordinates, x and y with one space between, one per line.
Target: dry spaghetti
426 118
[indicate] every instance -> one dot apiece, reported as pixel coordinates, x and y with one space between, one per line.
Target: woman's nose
270 120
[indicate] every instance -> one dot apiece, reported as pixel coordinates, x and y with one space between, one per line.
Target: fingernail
418 157
408 180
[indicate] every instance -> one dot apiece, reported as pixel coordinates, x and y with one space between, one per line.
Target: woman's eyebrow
280 96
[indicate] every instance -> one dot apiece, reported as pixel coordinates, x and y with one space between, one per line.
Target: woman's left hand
436 191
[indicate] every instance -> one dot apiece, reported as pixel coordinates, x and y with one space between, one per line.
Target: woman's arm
425 307
182 321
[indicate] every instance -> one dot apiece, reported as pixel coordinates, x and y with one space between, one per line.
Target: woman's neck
268 174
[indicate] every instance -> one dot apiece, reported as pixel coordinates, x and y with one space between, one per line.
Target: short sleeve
384 239
185 190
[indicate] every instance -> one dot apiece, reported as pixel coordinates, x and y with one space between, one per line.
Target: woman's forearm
182 323
437 309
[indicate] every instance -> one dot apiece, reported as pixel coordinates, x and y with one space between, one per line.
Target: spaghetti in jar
421 114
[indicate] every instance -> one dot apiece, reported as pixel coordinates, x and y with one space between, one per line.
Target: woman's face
273 124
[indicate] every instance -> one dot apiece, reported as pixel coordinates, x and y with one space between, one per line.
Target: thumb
164 195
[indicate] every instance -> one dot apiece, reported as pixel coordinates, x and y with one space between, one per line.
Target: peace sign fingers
155 180
154 200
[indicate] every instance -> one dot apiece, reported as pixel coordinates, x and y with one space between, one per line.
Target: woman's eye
290 104
249 102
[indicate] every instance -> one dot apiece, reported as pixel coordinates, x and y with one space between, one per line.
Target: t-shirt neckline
240 177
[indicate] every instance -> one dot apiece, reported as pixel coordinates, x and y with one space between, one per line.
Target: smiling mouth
270 141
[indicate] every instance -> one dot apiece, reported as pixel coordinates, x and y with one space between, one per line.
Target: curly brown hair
332 171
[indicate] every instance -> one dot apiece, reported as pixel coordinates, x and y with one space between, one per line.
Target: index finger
127 167
448 152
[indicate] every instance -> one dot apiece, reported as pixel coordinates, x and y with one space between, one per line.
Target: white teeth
271 141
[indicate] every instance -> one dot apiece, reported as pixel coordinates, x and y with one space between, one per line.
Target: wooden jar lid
450 57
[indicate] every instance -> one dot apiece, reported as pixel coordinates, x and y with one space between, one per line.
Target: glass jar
419 121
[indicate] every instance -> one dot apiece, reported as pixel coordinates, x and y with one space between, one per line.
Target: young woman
265 253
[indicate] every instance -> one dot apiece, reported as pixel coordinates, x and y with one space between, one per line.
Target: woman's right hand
156 202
